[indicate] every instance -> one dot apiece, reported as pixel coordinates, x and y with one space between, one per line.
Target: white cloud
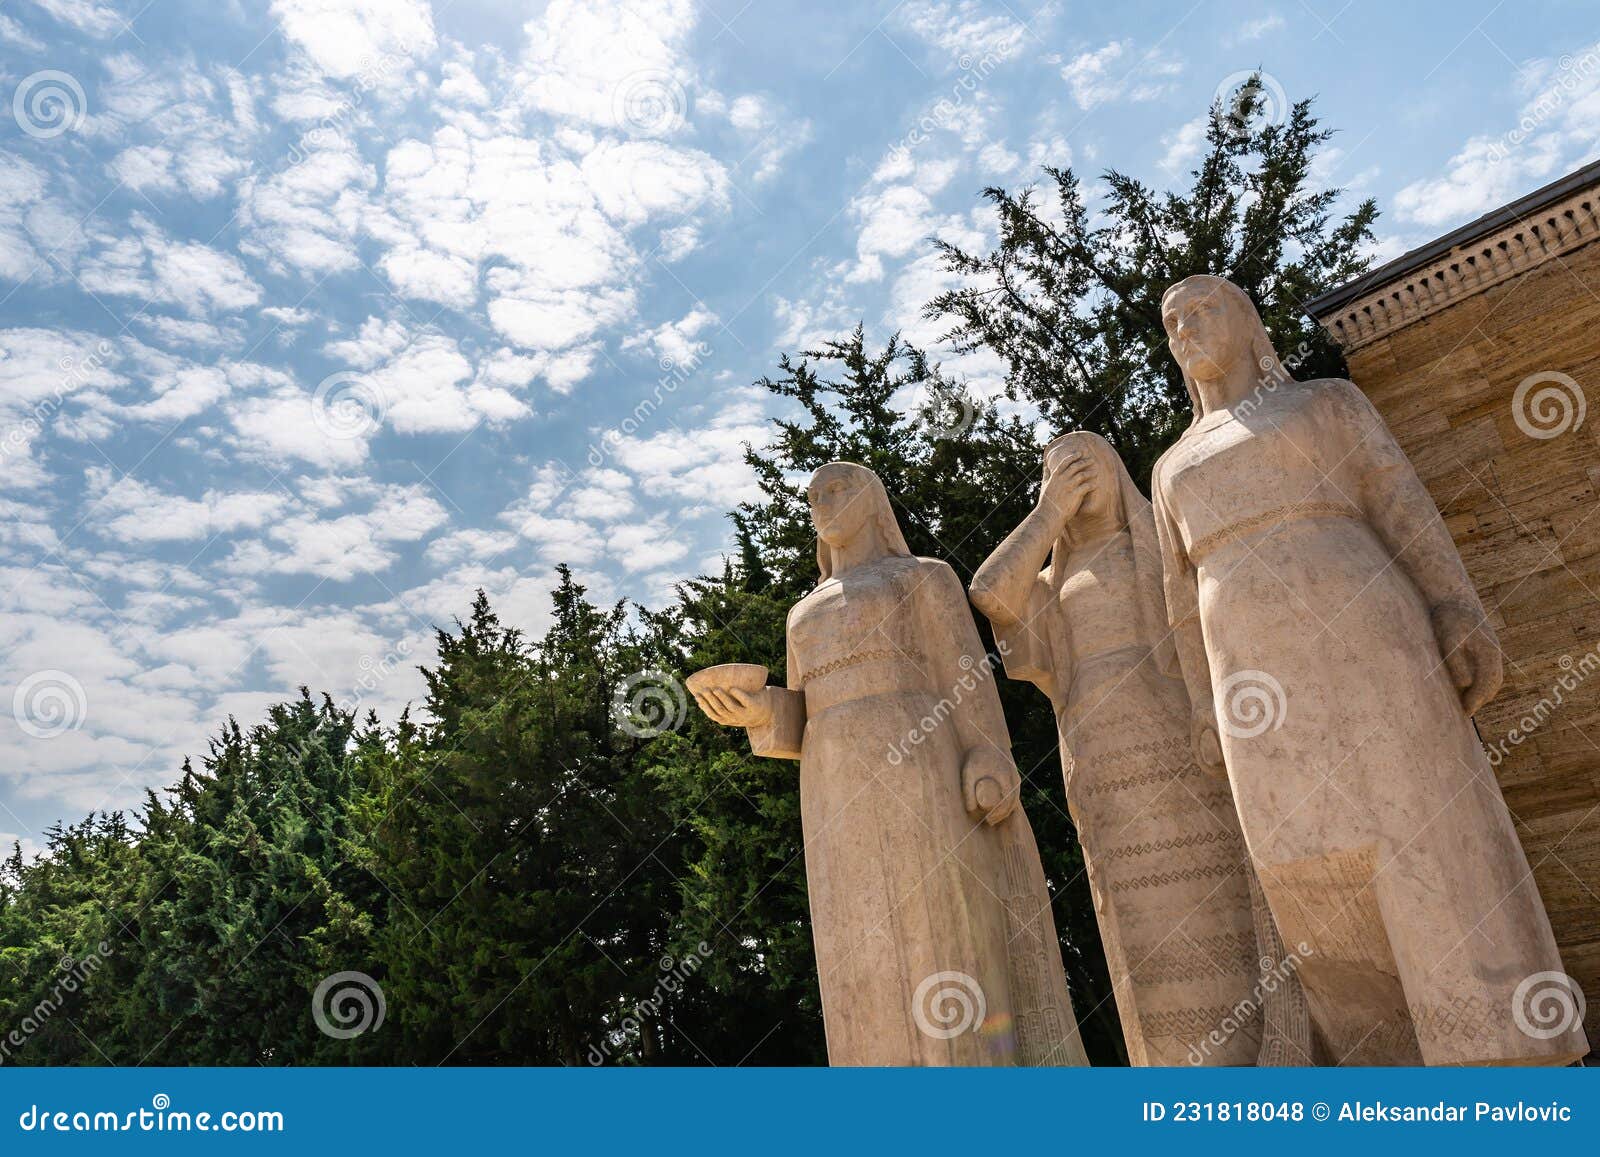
13 33
279 426
306 216
618 64
1557 129
704 466
1183 146
644 546
149 264
678 344
132 511
1114 72
343 547
87 16
346 38
1259 27
290 316
964 29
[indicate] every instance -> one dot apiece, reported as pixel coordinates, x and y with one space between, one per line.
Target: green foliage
1071 300
558 861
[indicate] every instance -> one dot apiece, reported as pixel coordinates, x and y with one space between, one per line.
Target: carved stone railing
1469 268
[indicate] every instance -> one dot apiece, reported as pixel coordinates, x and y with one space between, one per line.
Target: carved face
838 506
1204 331
1102 499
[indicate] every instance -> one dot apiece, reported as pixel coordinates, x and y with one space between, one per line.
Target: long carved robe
1298 535
934 938
1167 867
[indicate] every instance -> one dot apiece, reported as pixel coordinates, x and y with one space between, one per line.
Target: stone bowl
749 677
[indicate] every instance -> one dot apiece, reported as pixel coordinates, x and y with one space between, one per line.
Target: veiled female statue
1335 650
1074 594
934 938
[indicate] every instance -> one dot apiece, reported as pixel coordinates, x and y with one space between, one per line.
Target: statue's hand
1470 653
1206 743
990 785
732 707
1066 487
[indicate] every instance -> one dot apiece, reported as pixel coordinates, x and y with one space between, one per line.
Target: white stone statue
934 939
1074 594
1335 649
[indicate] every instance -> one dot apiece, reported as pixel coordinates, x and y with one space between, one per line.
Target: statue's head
1212 327
1104 501
846 502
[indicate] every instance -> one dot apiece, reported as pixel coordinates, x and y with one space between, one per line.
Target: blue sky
319 314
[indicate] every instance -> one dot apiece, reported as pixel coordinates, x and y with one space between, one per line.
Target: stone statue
1167 867
934 938
1335 649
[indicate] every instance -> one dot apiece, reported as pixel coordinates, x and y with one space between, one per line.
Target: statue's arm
1398 505
1402 513
1004 582
964 682
1014 597
780 736
1181 588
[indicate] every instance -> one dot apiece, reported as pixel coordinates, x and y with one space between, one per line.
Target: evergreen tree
1071 301
525 852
